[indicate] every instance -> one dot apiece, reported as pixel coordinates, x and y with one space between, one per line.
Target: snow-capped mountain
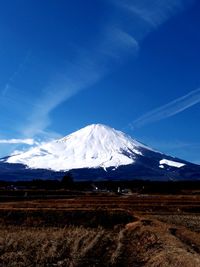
98 151
91 147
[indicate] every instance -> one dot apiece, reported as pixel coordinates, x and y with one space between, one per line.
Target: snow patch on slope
93 146
170 163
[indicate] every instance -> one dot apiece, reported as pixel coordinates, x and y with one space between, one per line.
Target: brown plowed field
101 230
140 203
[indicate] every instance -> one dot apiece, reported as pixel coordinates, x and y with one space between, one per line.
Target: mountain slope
97 152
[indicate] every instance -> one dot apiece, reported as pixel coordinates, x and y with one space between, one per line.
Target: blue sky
133 65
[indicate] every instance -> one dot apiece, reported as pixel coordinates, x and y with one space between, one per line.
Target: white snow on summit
94 146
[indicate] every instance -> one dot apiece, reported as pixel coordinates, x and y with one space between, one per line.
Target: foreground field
101 230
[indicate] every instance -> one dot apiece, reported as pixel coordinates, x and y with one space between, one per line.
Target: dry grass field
101 230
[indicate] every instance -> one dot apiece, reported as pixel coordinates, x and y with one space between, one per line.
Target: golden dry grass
145 242
149 231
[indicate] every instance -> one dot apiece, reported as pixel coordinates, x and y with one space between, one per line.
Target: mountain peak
96 147
93 146
92 128
92 131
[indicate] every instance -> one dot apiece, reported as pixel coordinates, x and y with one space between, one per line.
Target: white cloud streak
153 12
168 110
28 141
119 39
78 78
89 69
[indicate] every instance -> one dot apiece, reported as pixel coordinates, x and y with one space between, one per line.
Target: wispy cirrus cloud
168 110
28 141
90 67
153 12
119 38
78 78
